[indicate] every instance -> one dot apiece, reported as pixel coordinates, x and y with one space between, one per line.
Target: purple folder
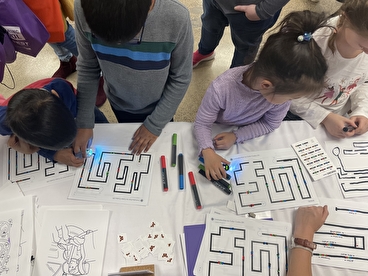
193 239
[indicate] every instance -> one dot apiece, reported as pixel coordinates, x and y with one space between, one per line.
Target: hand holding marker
348 128
89 150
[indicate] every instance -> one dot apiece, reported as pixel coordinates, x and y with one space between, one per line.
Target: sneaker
66 68
198 58
101 96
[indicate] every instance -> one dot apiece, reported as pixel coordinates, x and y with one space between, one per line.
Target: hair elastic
305 37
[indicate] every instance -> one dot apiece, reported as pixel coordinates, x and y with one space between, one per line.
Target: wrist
305 244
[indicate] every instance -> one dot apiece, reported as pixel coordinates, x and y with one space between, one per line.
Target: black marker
348 128
221 184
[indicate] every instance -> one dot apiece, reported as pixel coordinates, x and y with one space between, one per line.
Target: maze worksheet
343 239
269 180
232 245
33 171
114 174
351 159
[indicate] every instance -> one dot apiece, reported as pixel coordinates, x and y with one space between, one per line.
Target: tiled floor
27 69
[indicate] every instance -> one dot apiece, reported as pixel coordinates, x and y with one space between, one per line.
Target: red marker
195 191
163 173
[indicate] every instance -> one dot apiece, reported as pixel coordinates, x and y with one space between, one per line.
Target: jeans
127 117
66 49
100 118
245 34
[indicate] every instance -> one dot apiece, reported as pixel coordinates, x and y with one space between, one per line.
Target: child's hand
334 124
81 141
361 122
213 164
143 139
224 140
66 156
20 145
308 220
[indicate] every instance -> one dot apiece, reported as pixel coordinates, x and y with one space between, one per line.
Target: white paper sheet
73 242
270 180
114 174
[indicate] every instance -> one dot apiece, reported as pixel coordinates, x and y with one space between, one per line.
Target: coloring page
73 243
26 204
10 226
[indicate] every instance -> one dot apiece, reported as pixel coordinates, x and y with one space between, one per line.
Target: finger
148 146
223 160
220 145
136 148
240 8
133 144
208 175
219 137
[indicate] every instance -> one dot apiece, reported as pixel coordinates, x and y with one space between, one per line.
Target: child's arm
266 124
359 108
206 115
309 111
307 221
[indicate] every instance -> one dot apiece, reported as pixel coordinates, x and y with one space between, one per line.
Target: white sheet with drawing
270 180
343 240
234 246
73 242
32 171
114 174
350 156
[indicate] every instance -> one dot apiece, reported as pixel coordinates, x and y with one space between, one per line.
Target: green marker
173 150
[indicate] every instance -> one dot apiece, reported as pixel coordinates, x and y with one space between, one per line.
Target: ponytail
291 59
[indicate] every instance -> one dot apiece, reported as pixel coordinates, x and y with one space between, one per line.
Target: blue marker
181 171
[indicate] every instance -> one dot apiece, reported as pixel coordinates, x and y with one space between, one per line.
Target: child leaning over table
344 100
40 118
256 98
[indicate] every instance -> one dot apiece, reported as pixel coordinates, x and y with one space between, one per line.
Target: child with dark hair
142 49
342 106
40 118
256 98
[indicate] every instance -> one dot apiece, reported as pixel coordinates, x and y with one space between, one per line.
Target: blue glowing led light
89 152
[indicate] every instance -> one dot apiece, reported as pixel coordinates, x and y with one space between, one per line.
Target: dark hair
41 119
353 13
116 20
292 65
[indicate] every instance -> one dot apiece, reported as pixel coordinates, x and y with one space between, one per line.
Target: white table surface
175 208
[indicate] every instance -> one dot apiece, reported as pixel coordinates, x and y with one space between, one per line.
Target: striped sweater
147 78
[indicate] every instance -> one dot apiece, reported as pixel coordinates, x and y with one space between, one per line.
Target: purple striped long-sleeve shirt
229 102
